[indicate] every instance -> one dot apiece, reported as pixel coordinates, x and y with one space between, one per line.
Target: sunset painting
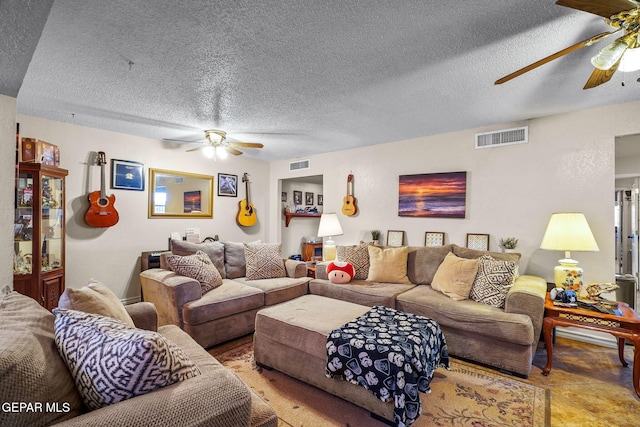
435 195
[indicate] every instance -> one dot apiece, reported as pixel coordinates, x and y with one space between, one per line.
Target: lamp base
568 275
329 250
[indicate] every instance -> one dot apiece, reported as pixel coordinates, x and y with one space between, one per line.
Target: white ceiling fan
216 146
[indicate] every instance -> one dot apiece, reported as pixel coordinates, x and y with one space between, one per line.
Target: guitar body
102 212
349 207
246 211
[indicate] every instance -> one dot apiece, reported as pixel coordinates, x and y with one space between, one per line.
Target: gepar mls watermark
35 407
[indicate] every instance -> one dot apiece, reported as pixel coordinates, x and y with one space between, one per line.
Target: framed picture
434 195
297 197
127 175
433 238
478 241
192 201
283 196
227 185
395 238
320 199
308 198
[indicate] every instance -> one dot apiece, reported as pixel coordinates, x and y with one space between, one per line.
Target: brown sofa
33 373
505 338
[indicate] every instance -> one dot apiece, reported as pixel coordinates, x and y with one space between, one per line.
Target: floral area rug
467 395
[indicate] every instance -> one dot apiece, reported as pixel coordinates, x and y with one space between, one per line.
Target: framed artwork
192 201
395 238
127 175
308 198
320 199
283 196
434 195
433 238
478 241
227 185
297 197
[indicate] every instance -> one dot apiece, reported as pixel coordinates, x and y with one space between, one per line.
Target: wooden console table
626 326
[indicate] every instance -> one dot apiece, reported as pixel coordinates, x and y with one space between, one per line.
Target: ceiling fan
623 53
215 145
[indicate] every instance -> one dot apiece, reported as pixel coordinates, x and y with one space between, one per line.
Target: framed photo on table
127 175
395 238
478 241
433 238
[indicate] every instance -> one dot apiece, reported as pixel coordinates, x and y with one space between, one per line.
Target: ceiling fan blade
604 8
565 51
599 76
246 144
202 147
188 141
233 151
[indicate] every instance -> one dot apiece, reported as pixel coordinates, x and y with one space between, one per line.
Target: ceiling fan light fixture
630 60
209 152
609 55
221 153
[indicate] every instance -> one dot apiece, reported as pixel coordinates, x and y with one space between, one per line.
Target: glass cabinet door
23 224
51 227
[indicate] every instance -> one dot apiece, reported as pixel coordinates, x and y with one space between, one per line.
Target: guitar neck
103 190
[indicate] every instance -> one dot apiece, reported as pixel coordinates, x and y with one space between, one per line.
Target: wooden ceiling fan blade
559 54
202 147
233 151
246 144
599 76
604 8
184 141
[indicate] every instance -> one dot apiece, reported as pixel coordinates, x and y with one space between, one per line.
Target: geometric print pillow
199 267
493 281
358 256
264 261
111 361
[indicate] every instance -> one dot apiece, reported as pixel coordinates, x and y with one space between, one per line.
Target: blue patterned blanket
390 353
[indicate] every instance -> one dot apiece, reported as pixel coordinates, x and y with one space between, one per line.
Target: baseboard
131 300
590 337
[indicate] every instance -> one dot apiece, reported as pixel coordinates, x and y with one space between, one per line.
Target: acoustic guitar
102 212
349 207
246 212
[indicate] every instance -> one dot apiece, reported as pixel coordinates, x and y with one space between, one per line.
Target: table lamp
329 226
568 231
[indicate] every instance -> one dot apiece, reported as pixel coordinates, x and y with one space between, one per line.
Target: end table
625 326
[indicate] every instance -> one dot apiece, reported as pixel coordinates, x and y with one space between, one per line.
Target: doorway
300 194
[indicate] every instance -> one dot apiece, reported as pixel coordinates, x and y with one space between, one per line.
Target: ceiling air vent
296 166
503 137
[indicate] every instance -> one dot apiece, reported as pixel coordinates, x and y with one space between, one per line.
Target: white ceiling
305 76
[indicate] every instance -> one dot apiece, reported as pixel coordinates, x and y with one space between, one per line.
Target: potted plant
375 236
508 244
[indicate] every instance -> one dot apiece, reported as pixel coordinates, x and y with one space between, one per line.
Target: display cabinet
39 233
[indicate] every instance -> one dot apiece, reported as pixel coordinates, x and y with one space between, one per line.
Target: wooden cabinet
39 233
311 251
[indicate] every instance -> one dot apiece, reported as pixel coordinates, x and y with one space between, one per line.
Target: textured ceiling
305 76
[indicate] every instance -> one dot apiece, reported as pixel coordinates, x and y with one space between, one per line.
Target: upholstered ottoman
291 337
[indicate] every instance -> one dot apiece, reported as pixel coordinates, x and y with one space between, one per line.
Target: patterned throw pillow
198 267
493 281
356 255
111 361
215 251
264 261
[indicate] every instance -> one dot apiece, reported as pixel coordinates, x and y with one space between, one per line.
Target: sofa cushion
215 251
198 267
279 289
229 298
493 281
423 262
264 261
388 265
463 252
455 276
31 369
360 291
356 255
112 361
235 264
95 297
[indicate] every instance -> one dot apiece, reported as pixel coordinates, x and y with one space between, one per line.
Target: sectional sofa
503 337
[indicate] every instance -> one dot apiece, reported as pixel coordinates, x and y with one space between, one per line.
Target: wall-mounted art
478 241
308 198
127 175
227 185
395 238
434 195
192 201
433 238
297 197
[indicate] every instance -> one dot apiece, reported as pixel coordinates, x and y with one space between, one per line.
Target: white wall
568 165
7 184
112 255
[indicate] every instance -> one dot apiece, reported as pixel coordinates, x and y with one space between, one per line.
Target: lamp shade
569 231
329 225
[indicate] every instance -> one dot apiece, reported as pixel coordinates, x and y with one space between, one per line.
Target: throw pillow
493 281
340 272
423 262
95 297
235 263
215 251
455 276
264 261
111 361
388 265
356 255
198 267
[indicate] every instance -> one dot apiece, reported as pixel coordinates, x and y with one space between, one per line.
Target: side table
626 326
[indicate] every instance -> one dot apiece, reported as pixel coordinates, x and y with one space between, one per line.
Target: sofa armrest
526 296
321 270
144 315
169 292
295 268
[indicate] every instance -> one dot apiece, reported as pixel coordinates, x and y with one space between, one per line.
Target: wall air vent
503 137
299 165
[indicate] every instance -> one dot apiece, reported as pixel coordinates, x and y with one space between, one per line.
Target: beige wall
7 184
112 255
568 165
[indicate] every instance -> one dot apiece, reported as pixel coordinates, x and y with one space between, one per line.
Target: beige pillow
388 265
356 255
197 266
264 261
95 297
455 276
215 251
